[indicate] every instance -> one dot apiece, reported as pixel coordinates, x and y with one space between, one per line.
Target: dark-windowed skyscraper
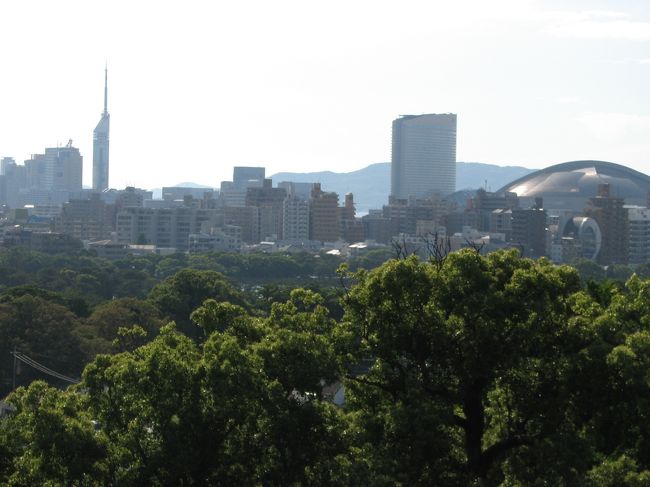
423 156
100 144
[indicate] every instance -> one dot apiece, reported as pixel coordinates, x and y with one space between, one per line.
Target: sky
197 87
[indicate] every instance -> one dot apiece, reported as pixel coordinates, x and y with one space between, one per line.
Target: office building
407 213
269 202
295 211
245 217
379 227
218 239
295 220
352 229
501 222
65 165
612 218
50 178
90 219
172 193
5 163
528 228
324 225
423 156
165 227
245 177
639 235
233 193
100 144
13 181
60 169
299 190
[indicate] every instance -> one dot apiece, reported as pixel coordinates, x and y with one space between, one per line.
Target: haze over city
197 88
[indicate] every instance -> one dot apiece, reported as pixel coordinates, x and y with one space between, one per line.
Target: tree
76 304
177 296
467 362
616 365
371 259
50 439
102 325
43 330
280 366
244 409
589 270
148 403
619 272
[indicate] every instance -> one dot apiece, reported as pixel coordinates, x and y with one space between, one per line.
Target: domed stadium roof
570 185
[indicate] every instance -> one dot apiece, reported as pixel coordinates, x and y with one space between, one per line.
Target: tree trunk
474 430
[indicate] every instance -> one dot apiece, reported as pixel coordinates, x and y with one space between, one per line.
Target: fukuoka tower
100 144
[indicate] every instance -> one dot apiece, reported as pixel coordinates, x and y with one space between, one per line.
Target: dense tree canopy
101 327
464 370
43 330
177 296
476 346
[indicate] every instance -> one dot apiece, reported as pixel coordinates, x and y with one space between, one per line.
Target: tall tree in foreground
245 408
469 364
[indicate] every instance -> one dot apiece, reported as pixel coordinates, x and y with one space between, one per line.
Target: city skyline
200 89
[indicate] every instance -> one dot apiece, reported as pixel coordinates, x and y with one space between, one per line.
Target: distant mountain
157 192
191 185
371 185
474 175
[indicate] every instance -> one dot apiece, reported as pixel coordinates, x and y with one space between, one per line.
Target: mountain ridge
371 184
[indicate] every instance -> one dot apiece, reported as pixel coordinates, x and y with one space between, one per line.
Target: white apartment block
295 219
163 227
639 235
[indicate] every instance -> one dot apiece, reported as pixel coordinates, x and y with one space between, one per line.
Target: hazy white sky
196 87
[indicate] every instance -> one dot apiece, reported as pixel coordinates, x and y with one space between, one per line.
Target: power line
42 368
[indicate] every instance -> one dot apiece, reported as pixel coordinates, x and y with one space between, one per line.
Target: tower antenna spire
106 89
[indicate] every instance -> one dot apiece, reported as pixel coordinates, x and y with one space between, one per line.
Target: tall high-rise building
423 156
100 144
64 168
52 176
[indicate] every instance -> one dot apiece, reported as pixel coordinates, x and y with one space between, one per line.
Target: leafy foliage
43 330
468 370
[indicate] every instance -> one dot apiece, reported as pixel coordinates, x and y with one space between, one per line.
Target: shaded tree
467 363
177 296
43 330
101 327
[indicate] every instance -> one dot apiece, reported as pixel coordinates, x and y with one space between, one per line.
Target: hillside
371 185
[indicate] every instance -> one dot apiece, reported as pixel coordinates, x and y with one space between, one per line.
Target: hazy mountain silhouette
371 185
157 192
